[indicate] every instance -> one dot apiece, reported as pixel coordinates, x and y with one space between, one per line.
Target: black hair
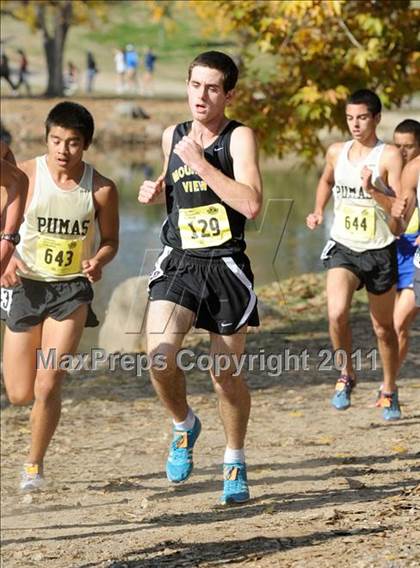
221 62
409 126
368 98
71 115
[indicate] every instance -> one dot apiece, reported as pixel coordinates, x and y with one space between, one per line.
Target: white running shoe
31 477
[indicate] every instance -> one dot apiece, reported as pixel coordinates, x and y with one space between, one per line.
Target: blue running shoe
344 386
235 484
390 405
180 460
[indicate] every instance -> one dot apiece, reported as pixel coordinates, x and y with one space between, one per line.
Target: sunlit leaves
318 52
82 11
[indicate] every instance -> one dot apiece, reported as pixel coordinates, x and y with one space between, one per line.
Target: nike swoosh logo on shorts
218 149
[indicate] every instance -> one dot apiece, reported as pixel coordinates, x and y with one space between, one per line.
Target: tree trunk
55 77
54 48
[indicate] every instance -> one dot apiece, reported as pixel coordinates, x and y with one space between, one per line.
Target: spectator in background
5 70
120 68
91 71
23 72
71 78
132 64
149 66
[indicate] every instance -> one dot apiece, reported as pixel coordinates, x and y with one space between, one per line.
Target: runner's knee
20 396
164 365
48 386
338 317
225 383
384 332
402 332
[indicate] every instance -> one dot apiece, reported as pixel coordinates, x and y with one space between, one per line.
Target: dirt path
328 488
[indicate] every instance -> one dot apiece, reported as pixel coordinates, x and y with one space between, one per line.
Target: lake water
279 244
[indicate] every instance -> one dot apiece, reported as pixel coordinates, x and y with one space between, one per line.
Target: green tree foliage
301 59
54 19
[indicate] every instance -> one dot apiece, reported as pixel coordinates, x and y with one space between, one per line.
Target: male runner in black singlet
211 183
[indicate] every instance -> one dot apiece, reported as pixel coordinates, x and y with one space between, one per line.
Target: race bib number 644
359 222
206 226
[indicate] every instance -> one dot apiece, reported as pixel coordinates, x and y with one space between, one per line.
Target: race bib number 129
206 226
58 256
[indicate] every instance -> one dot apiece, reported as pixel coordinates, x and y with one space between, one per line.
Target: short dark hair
221 62
409 126
368 98
71 115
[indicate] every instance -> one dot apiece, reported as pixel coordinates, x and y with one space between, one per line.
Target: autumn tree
302 58
54 19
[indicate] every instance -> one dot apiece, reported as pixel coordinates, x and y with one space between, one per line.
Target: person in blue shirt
149 66
132 64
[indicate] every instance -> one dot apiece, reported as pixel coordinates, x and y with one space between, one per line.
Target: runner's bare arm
394 166
6 153
29 168
409 180
403 206
153 192
14 189
106 204
9 278
325 185
392 162
244 193
15 183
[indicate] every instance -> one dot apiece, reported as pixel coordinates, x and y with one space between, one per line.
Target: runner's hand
366 176
92 269
398 208
313 220
150 189
190 149
6 252
417 241
9 279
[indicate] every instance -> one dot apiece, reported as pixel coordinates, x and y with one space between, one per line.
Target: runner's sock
186 424
234 456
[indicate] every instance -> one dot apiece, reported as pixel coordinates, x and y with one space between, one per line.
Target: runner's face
65 147
361 123
407 144
206 96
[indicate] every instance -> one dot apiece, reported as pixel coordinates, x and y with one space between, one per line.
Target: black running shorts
218 290
31 302
376 269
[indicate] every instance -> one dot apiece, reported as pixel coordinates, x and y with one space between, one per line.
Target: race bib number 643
58 256
206 226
